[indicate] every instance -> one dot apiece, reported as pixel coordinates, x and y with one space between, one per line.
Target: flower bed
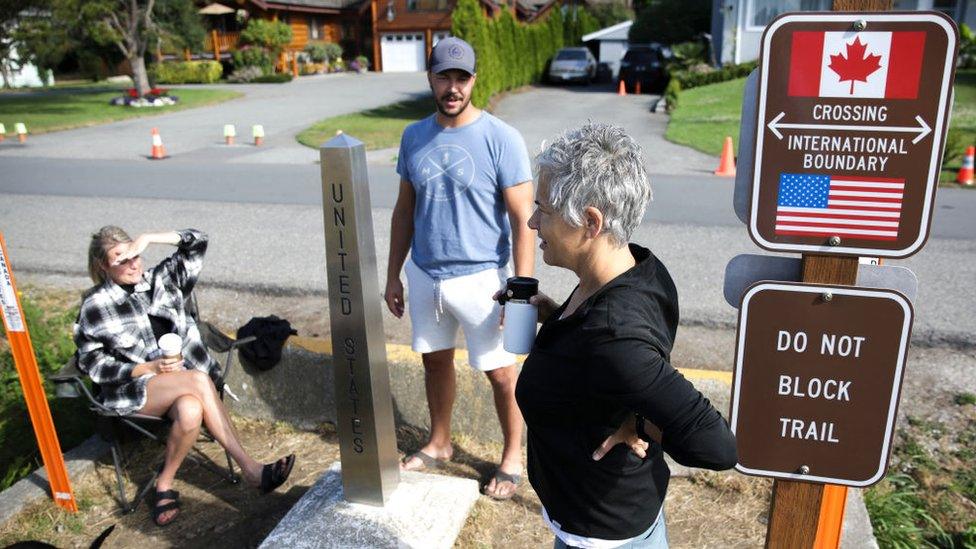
156 97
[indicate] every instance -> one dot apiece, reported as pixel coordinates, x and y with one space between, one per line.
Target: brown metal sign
852 115
817 380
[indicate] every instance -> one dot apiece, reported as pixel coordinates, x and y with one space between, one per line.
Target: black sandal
275 474
158 509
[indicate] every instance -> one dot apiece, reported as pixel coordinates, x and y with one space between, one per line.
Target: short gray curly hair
597 165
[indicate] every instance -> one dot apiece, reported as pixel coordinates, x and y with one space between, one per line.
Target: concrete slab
857 532
424 511
28 491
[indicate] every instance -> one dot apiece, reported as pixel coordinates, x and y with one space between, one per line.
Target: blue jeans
655 537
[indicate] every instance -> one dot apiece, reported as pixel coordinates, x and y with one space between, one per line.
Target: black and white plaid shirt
113 333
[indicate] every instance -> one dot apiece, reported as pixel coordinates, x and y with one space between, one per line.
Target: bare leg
441 386
164 390
503 387
187 415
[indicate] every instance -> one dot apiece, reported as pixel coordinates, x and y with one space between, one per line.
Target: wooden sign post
852 112
30 381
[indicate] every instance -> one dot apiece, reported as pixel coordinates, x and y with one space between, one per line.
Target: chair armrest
242 341
69 373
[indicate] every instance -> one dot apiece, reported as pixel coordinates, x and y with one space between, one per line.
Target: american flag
865 208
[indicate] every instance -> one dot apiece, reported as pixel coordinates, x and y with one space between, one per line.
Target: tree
179 24
671 21
129 25
609 14
11 12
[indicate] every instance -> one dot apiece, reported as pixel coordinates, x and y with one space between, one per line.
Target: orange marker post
30 382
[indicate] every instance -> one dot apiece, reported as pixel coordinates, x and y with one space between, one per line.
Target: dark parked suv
643 63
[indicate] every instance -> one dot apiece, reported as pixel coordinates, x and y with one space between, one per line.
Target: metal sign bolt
827 296
860 25
834 241
804 470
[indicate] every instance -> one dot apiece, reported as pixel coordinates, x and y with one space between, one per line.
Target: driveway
196 135
544 111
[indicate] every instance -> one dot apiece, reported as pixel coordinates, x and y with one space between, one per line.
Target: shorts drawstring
439 310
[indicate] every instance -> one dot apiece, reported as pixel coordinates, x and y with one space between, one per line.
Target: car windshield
571 55
640 56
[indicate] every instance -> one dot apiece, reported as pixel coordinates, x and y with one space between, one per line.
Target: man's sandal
427 461
501 476
160 508
275 474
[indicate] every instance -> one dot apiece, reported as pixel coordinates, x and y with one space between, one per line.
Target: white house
737 25
610 44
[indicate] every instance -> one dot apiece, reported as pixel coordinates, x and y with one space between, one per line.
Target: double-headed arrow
922 129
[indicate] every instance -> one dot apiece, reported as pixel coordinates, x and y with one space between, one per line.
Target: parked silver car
572 65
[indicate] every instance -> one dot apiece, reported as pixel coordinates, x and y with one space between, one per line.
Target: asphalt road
265 219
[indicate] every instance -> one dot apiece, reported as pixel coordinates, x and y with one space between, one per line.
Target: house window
314 28
947 7
427 5
761 12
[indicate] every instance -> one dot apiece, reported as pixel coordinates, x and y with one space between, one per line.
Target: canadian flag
856 64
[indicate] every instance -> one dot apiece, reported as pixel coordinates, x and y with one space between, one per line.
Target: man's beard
440 106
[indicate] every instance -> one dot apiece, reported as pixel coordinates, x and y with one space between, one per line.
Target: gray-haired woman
603 355
120 321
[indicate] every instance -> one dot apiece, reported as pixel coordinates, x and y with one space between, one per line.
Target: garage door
403 52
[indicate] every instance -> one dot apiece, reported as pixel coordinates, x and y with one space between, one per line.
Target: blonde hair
101 242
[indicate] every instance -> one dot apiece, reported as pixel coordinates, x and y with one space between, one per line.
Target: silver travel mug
521 317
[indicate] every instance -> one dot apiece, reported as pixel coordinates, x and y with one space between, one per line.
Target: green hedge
690 79
510 54
277 78
186 72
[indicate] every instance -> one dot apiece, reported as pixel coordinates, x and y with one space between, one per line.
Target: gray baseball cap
452 53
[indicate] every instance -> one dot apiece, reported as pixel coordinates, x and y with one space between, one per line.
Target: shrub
50 330
671 92
967 47
312 68
245 74
510 54
361 61
186 72
278 78
316 52
323 52
271 35
695 76
333 51
252 56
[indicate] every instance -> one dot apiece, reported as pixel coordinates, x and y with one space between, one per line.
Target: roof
307 5
615 32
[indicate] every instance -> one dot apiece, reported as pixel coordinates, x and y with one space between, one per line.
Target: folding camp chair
71 382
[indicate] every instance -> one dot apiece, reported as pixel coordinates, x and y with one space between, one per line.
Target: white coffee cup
521 316
171 345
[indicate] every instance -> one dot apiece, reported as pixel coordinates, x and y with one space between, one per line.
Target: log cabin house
396 35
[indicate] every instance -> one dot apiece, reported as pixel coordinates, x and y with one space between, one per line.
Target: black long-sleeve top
589 372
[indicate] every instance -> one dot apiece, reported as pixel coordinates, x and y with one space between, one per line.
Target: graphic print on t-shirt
446 171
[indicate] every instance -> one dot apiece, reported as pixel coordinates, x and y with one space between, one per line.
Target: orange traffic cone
637 88
965 176
622 88
158 151
726 164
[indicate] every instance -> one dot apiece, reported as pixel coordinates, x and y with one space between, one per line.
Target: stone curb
33 488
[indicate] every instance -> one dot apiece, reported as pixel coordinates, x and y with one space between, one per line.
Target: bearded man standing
465 194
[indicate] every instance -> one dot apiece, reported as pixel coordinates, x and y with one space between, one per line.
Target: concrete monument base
424 511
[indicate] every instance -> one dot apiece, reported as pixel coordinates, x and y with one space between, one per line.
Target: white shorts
438 307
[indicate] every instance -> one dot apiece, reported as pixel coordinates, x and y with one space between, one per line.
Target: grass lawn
707 114
378 128
64 108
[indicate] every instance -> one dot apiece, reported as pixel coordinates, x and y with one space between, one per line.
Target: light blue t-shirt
460 222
